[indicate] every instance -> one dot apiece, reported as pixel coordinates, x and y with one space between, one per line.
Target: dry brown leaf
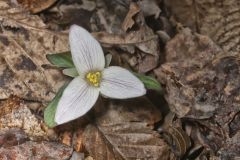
37 151
219 19
176 137
137 35
68 12
128 39
24 43
15 145
15 114
129 21
124 130
202 83
12 137
35 6
231 149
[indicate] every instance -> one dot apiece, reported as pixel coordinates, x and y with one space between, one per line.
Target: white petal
119 83
86 52
77 99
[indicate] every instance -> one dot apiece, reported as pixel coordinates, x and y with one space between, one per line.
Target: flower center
94 78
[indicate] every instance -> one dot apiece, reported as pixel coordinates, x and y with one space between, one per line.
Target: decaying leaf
134 37
24 43
202 83
14 113
12 137
15 145
124 131
194 79
37 151
35 6
231 149
129 21
67 12
176 137
219 19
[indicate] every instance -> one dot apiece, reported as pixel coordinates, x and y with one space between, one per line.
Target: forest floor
192 48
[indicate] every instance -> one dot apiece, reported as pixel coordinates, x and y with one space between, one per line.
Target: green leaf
63 60
71 72
149 82
49 112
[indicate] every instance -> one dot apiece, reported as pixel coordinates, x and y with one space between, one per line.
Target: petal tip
74 27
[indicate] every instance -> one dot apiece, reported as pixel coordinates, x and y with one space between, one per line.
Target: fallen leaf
35 6
128 39
217 19
37 151
202 84
14 113
23 48
67 12
137 35
129 21
176 137
231 149
125 131
12 137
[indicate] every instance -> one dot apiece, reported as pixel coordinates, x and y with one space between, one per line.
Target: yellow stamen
94 78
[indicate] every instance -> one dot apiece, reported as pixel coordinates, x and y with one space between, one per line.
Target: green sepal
149 82
108 59
71 72
49 112
62 60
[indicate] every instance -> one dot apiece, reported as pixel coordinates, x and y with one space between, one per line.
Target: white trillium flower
83 91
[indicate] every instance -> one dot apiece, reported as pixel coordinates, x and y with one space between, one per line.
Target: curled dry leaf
176 137
129 21
125 131
24 42
15 114
217 19
36 151
35 6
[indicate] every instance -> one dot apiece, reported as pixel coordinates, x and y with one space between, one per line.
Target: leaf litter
198 68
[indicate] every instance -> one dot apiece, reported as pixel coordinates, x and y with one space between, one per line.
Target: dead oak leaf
125 131
24 43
